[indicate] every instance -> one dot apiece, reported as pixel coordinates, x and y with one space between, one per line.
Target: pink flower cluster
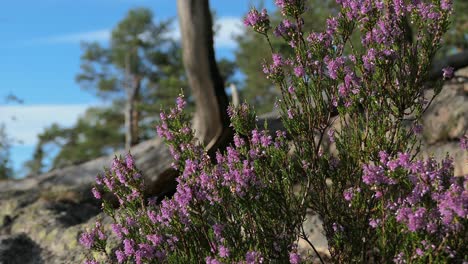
148 231
434 202
259 21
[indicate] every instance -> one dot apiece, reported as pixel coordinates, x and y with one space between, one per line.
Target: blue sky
40 51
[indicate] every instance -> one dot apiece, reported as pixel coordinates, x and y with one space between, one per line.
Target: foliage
97 133
140 50
140 62
6 142
136 44
254 50
456 39
5 167
377 202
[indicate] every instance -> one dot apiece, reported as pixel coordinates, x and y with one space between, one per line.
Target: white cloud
227 28
102 35
30 120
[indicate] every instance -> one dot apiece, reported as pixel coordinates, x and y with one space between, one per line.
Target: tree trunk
211 121
131 114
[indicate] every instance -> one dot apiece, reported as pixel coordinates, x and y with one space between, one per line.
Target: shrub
377 202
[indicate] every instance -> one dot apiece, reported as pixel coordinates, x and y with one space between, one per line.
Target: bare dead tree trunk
234 95
128 126
211 121
131 114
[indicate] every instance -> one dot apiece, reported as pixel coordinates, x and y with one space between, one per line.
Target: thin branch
304 236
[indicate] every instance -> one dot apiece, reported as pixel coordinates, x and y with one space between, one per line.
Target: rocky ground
41 217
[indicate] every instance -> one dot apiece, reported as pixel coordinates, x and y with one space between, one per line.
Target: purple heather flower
453 202
253 257
134 195
117 229
190 167
332 25
258 21
255 137
291 89
399 7
183 195
238 141
285 29
101 235
446 4
416 219
266 140
217 229
120 176
96 193
155 239
400 258
87 240
342 90
290 113
417 129
129 247
374 222
120 256
223 251
348 194
299 71
464 142
383 157
109 183
403 159
232 155
91 261
211 260
277 60
447 73
392 165
375 175
162 116
424 9
369 59
130 221
294 258
378 194
152 216
281 3
180 103
99 180
333 66
331 135
337 227
145 251
129 161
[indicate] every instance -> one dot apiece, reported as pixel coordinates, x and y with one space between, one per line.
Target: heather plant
365 101
420 209
240 207
247 204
